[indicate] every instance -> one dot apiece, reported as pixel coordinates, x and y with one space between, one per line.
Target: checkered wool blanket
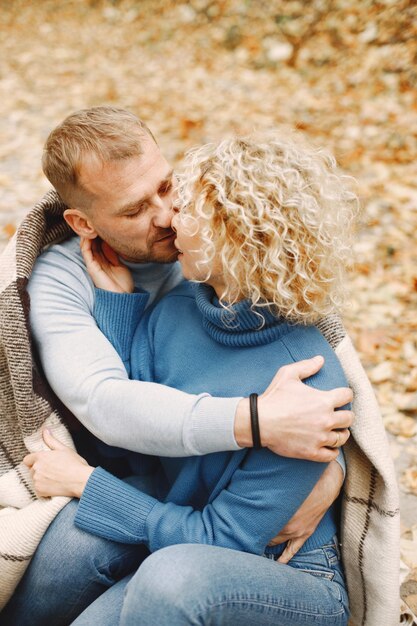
370 511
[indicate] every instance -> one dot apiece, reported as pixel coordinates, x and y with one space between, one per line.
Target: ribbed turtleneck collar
242 326
148 271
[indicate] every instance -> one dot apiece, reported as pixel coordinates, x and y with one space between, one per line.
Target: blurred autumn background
342 71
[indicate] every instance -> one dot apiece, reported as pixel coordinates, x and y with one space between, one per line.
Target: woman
262 228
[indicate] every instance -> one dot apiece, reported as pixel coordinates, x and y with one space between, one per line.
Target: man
117 185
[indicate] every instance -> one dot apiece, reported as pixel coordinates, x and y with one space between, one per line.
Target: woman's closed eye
165 188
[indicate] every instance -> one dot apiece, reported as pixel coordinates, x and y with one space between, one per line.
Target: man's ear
80 223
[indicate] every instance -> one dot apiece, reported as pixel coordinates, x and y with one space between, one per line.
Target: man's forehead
142 172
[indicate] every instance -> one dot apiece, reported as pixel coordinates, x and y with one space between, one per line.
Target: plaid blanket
370 510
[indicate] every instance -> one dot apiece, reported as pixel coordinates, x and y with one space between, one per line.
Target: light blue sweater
237 500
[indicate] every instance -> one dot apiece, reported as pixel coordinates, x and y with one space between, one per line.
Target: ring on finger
337 442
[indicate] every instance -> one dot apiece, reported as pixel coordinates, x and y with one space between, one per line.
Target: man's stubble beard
135 255
160 258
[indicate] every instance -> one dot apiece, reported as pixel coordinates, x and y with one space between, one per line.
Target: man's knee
171 580
174 563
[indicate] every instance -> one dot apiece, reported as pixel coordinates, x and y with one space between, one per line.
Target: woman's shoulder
304 342
185 289
175 305
181 296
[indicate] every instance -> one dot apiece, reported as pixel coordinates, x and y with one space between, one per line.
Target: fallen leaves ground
344 72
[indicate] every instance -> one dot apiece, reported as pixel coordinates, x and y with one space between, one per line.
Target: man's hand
296 420
305 521
59 471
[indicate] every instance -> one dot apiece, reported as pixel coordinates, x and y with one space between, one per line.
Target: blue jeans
77 574
69 570
206 585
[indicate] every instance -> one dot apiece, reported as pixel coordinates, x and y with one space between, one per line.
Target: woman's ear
80 223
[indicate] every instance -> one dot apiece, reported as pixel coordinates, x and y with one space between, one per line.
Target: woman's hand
305 521
59 471
104 266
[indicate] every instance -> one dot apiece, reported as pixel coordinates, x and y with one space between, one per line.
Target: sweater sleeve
262 496
89 377
117 315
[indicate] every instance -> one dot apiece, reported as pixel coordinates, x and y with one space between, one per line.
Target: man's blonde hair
278 215
104 132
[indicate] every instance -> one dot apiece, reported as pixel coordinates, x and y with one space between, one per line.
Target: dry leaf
9 230
409 590
399 424
409 480
411 380
406 401
382 372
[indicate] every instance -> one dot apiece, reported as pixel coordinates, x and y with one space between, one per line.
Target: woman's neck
217 283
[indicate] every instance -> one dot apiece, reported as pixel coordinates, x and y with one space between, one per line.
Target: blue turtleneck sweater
236 500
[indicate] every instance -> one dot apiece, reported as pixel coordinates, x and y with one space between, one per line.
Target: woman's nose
174 221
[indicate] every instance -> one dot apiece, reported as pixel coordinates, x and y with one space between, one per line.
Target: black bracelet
254 421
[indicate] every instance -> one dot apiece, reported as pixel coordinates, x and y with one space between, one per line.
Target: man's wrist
242 427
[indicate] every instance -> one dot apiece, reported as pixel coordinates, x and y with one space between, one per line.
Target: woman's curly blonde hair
278 215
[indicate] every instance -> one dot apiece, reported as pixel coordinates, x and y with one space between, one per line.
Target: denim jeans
208 585
69 570
103 582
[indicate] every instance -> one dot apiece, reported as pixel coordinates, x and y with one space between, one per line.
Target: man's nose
163 212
